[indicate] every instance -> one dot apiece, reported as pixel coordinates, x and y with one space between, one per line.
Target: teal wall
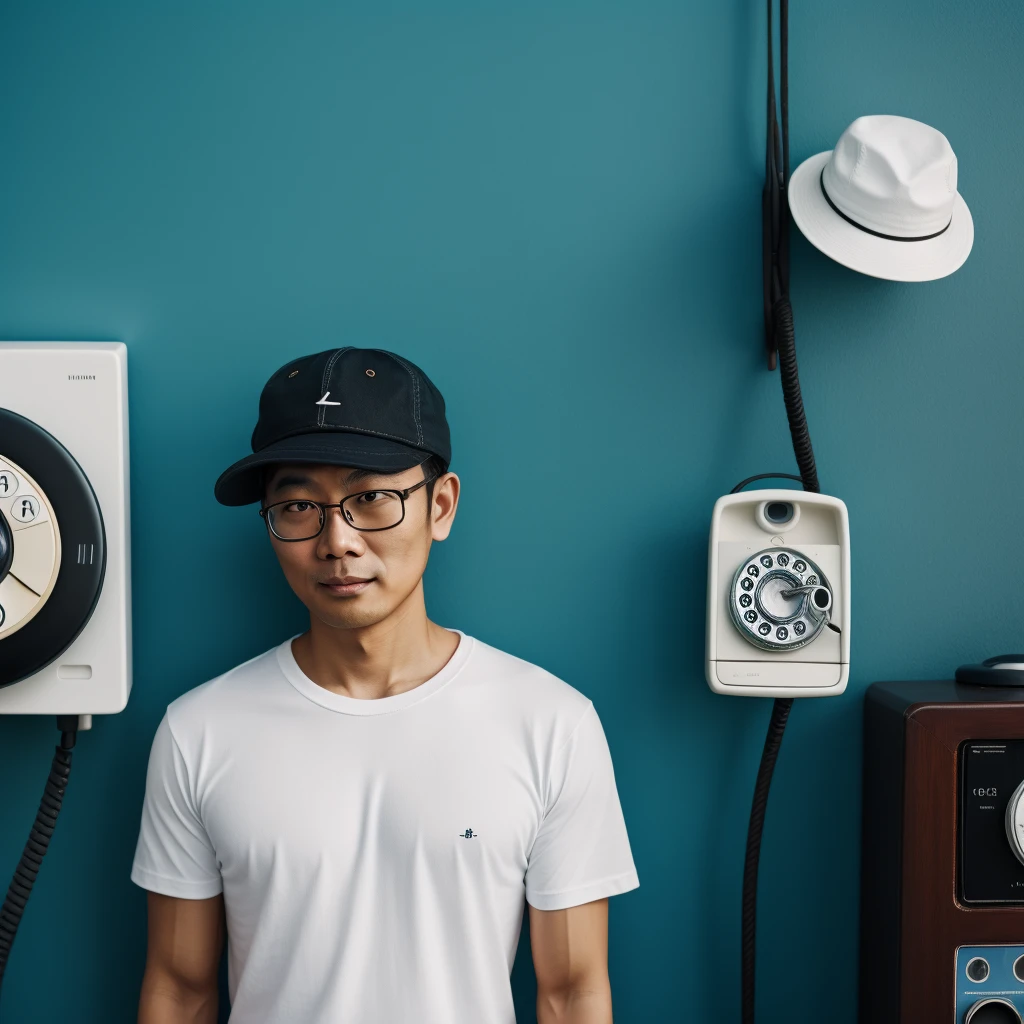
554 209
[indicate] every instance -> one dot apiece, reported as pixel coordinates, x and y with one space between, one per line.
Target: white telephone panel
65 603
778 617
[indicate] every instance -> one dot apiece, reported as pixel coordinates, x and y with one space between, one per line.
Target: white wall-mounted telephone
778 620
65 617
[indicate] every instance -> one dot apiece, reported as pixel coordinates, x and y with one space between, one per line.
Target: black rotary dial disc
69 603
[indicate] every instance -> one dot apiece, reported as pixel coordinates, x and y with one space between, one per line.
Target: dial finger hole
25 508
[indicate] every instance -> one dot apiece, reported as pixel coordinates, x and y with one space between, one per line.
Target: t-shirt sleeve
581 852
174 855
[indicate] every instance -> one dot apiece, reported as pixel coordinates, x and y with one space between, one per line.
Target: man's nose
338 536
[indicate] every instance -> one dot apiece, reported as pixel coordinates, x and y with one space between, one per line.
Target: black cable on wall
781 340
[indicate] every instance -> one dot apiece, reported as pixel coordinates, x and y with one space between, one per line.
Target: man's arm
185 939
570 960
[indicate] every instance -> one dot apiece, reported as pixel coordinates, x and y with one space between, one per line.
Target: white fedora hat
884 201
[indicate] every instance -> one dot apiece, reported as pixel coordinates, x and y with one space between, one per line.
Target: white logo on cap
323 401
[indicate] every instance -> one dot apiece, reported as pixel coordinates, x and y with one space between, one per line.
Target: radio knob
978 970
992 1011
1018 968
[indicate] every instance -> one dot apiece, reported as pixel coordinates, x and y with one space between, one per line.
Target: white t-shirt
374 855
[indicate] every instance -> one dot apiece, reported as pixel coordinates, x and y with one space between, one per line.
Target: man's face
349 578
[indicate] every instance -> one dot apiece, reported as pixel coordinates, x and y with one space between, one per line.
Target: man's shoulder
516 682
238 687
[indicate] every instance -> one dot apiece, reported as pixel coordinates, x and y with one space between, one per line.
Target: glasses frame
322 507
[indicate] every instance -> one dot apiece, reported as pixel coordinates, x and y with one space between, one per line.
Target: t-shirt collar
381 705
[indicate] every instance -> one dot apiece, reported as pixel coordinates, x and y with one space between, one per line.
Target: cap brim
242 483
861 251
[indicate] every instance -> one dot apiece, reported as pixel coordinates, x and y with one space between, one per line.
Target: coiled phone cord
781 339
38 840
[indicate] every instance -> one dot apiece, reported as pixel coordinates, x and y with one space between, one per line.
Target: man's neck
380 660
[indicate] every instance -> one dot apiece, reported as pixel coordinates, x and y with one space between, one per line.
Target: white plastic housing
78 391
819 529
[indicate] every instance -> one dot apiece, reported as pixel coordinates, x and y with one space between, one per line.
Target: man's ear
444 502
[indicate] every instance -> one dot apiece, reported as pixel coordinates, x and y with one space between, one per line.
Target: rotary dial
780 600
29 548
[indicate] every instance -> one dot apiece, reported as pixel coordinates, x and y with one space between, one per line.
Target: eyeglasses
302 519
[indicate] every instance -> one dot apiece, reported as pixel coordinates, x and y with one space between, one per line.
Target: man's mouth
345 585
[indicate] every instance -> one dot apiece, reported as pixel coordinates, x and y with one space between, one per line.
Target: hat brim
242 483
861 251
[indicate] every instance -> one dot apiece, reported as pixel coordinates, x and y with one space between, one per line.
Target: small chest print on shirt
469 834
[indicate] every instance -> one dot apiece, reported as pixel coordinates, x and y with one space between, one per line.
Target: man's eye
298 506
369 497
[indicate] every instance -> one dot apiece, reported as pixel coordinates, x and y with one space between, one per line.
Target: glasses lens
294 520
373 510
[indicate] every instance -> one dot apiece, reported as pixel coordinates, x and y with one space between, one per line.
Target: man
364 808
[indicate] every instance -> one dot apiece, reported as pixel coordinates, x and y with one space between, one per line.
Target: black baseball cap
360 407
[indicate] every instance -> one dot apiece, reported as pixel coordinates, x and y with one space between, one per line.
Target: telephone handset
779 595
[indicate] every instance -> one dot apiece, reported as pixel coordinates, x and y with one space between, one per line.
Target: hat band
878 234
